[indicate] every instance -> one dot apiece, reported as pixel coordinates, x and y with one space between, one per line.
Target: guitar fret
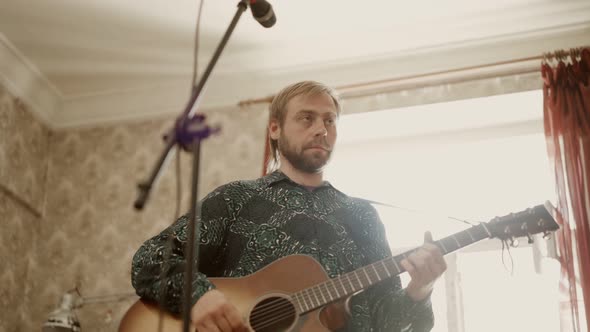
386 269
346 278
359 279
443 246
350 283
486 229
310 296
304 302
471 236
376 272
328 291
310 303
322 294
458 244
340 283
312 290
336 289
297 301
395 263
301 308
304 299
465 238
367 275
362 279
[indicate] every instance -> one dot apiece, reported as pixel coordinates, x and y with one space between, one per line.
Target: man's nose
320 128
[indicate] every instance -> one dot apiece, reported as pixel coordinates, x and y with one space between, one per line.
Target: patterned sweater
246 225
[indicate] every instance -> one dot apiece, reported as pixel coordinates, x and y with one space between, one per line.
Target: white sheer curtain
472 159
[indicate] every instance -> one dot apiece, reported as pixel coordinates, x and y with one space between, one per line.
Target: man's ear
274 129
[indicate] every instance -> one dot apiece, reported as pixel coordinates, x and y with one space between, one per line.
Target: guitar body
277 280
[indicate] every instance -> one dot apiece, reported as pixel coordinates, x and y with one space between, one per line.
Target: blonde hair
278 110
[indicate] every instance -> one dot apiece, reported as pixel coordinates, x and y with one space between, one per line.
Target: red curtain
566 94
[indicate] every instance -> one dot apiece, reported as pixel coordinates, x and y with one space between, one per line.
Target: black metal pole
192 250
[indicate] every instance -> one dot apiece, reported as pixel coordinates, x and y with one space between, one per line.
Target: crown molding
24 80
225 90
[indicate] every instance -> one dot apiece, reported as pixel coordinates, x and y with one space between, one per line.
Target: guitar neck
350 283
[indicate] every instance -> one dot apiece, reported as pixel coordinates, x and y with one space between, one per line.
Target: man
246 225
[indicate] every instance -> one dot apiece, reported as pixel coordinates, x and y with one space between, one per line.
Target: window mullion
455 313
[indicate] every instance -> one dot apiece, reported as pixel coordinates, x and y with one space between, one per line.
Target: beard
305 160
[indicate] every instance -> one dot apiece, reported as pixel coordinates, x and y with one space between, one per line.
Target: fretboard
347 284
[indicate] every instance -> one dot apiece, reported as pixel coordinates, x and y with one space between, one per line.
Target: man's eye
306 118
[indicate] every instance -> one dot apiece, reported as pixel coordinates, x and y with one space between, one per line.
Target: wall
23 167
89 230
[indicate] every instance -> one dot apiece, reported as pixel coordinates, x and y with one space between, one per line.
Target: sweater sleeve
158 267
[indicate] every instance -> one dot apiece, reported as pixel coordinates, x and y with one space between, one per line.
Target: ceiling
84 62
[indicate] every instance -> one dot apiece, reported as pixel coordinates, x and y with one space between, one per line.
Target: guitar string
270 308
289 306
316 291
268 321
286 309
264 317
265 313
264 310
330 286
270 313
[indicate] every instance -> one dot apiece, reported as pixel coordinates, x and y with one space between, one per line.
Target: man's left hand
425 266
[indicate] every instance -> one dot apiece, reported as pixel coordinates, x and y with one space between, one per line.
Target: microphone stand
188 132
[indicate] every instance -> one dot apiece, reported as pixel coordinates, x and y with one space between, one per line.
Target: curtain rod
513 67
560 55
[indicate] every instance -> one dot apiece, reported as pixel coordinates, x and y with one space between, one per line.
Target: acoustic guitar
294 293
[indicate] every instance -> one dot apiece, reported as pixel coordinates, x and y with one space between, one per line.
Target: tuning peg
546 235
530 238
513 242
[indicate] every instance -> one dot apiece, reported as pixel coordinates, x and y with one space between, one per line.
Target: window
471 159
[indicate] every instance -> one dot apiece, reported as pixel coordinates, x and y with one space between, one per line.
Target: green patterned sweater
245 225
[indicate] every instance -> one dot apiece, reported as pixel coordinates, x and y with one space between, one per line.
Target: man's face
308 134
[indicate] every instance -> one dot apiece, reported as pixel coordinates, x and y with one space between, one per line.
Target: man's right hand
214 313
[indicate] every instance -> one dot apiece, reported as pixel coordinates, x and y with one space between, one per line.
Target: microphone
263 13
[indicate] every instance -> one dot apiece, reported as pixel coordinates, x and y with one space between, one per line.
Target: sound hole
273 314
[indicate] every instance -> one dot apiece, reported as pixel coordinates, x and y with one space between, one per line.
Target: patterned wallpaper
89 230
23 152
17 246
23 167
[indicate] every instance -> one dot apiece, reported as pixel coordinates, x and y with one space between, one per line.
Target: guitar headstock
538 219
